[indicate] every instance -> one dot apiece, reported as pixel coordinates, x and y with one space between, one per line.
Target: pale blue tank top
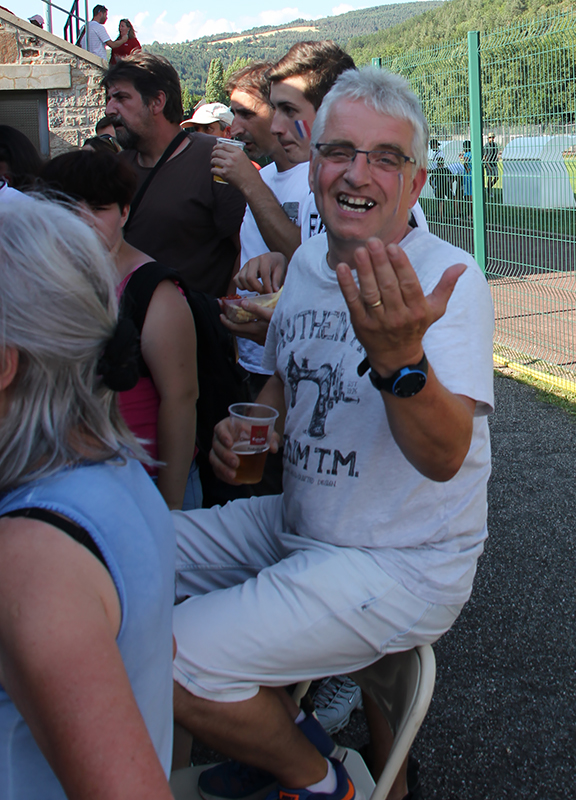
128 520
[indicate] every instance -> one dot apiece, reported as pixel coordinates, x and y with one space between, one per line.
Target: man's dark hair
149 75
98 10
252 79
104 122
98 178
21 157
319 63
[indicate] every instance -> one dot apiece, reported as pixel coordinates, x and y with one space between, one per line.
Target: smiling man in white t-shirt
372 547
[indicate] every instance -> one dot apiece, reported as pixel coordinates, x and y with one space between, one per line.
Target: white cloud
195 24
342 9
112 25
140 17
279 16
192 25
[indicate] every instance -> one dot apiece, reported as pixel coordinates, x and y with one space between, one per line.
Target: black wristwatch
406 382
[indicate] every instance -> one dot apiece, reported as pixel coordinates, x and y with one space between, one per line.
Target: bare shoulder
43 571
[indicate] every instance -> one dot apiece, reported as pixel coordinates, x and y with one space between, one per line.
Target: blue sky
180 22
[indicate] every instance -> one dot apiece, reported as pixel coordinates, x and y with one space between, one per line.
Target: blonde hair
58 309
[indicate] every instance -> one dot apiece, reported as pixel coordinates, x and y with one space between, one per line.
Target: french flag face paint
302 129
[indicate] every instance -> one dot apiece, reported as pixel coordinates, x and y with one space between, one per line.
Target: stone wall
31 58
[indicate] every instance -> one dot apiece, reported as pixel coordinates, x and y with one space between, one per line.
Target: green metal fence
510 199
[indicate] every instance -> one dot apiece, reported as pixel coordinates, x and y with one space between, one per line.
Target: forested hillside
392 31
531 83
452 20
192 59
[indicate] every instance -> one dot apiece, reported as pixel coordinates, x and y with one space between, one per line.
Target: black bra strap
64 524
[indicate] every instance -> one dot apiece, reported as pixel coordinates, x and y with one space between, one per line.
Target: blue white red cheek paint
302 129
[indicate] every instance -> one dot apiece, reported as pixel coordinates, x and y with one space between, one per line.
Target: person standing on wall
125 28
98 38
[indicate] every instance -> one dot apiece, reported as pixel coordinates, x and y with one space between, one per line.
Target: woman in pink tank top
161 409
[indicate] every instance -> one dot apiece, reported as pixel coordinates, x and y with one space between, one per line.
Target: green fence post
475 99
377 62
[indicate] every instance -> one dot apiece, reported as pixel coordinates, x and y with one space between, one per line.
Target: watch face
409 384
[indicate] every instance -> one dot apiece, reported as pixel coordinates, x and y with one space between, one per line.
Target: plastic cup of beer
252 428
234 143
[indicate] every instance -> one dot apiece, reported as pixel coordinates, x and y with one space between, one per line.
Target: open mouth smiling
358 204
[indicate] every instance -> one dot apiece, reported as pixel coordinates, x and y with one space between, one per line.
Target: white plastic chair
401 684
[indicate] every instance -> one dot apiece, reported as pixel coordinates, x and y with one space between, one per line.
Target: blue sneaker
233 780
344 789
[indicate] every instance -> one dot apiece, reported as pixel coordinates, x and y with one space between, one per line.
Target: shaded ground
502 723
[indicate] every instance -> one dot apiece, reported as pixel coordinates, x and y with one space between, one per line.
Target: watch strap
391 384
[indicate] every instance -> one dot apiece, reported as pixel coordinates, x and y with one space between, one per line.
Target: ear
418 182
157 103
311 171
8 367
125 215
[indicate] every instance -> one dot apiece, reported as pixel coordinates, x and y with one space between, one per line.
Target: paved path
502 723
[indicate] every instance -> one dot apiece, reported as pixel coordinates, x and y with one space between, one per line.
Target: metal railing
516 214
75 25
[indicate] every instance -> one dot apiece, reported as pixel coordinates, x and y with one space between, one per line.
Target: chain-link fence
519 219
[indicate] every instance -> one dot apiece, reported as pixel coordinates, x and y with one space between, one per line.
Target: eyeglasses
386 160
111 140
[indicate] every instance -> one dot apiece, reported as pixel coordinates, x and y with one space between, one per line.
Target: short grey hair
58 309
386 93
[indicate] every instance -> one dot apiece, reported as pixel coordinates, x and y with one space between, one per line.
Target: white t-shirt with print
97 36
290 189
345 479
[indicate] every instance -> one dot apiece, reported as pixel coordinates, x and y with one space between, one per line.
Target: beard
128 139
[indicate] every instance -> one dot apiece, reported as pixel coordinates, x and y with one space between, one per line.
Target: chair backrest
401 684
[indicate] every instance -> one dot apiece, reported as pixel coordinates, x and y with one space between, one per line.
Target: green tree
215 92
187 102
238 63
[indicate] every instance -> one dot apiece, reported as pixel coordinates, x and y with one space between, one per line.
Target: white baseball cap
213 112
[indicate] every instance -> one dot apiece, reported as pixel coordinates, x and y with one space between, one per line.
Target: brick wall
31 58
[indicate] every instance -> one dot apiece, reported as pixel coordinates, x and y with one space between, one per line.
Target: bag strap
176 141
141 286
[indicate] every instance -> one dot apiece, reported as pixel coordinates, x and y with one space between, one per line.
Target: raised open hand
388 309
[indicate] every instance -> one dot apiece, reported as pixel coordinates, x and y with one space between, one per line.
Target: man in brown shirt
185 219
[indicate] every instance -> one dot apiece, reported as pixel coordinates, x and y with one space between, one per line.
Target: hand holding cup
242 441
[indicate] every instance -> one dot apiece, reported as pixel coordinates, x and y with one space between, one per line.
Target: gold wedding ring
375 305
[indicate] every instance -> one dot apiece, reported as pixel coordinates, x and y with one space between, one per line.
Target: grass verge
554 395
